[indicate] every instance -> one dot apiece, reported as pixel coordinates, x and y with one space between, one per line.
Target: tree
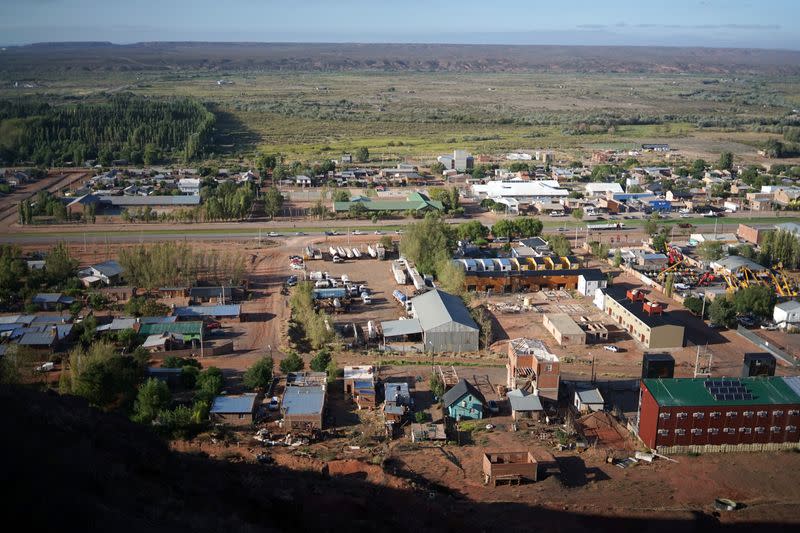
617 258
505 228
725 160
59 265
660 243
529 227
341 195
709 250
362 154
292 363
260 374
437 168
722 311
428 243
577 213
600 250
560 245
651 225
471 231
320 362
694 305
153 397
109 384
273 200
756 299
451 278
211 381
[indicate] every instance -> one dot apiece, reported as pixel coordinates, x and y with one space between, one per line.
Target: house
189 186
231 312
304 401
754 234
591 280
588 400
239 410
524 405
719 414
565 330
109 272
596 190
531 366
216 294
359 383
512 467
647 322
51 301
787 314
464 401
416 201
397 401
170 376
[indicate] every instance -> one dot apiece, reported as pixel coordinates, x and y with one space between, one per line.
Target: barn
445 322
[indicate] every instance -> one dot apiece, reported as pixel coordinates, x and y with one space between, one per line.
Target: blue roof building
210 311
303 407
237 410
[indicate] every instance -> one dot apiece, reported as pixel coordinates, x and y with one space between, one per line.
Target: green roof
415 201
184 328
693 392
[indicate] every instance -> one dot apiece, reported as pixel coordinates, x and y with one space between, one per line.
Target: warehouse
646 322
719 414
529 278
445 322
565 330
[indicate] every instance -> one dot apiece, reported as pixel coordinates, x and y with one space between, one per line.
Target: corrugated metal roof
590 396
396 392
108 268
436 308
152 200
693 392
460 389
184 328
209 310
524 401
299 401
240 404
154 340
398 328
36 339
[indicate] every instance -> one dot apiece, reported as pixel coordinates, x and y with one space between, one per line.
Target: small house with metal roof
239 410
464 401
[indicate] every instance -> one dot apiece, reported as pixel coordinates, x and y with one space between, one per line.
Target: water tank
658 365
758 364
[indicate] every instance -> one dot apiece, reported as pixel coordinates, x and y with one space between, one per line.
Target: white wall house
589 283
786 313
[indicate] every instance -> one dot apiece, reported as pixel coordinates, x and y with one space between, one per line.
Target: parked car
769 325
337 259
291 281
611 348
329 233
365 298
274 234
747 321
274 404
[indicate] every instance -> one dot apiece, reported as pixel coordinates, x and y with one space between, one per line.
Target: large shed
446 323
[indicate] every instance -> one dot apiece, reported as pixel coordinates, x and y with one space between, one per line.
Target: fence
774 350
729 448
220 349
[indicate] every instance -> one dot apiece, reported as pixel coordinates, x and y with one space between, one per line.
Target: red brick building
676 414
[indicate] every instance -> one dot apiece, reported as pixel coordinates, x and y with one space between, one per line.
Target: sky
712 23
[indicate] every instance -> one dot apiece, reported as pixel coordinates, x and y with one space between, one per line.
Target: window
775 429
713 431
729 431
748 414
777 413
760 430
680 432
715 414
699 416
791 429
746 431
663 432
663 416
731 414
761 414
548 368
241 416
681 416
793 412
697 431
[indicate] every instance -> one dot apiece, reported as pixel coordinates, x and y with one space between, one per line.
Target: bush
292 363
180 362
189 376
152 398
211 381
176 422
321 361
421 417
260 374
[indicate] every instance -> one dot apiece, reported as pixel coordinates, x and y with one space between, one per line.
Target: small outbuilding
588 400
565 330
524 405
509 467
234 410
